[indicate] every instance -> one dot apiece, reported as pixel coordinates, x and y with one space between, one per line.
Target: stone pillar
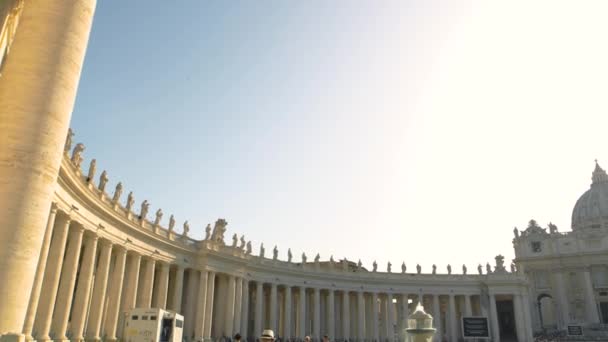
468 311
245 310
302 313
209 305
494 319
35 296
190 307
238 302
527 316
52 275
99 291
163 282
199 328
317 313
115 294
37 92
406 313
361 315
83 289
518 313
147 284
437 319
590 302
391 318
376 326
345 314
229 318
68 281
562 298
176 300
287 313
132 274
259 299
452 318
331 315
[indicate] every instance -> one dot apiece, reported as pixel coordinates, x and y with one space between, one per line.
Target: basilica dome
591 209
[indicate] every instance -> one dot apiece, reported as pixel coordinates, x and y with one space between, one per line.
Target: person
307 339
325 338
237 337
267 336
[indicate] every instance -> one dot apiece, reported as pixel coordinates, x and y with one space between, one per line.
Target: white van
153 325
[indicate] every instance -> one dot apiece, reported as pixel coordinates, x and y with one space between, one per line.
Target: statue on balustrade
242 246
218 230
418 268
479 269
248 247
374 266
171 223
186 228
449 269
103 180
262 250
289 255
145 206
92 169
208 232
317 258
344 264
332 263
552 228
516 232
77 155
130 201
235 240
303 258
513 269
488 268
275 253
388 267
159 216
117 193
434 269
403 268
68 141
359 265
464 269
500 264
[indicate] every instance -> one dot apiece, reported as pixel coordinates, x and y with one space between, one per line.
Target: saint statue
92 169
464 269
388 267
418 268
516 232
479 269
208 232
552 228
359 265
317 258
68 141
374 266
275 253
77 154
289 255
332 262
403 268
344 264
262 250
218 230
488 268
130 201
303 258
117 193
159 216
235 240
248 247
449 269
103 180
186 228
513 269
171 223
145 206
242 246
434 269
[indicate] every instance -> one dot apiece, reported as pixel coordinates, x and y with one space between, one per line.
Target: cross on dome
599 174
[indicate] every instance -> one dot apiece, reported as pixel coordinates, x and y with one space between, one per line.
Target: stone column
238 302
209 305
518 313
35 296
83 289
331 315
317 313
115 294
437 319
99 291
391 318
132 274
176 300
345 314
562 298
590 302
468 311
259 299
406 311
52 275
361 315
147 284
163 282
229 318
494 319
37 92
190 308
287 312
302 313
199 329
452 318
245 310
66 287
376 325
527 316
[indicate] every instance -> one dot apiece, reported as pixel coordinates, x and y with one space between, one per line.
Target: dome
591 209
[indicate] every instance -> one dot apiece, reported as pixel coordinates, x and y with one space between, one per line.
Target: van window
179 323
134 317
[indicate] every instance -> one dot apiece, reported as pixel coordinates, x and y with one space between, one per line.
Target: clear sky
381 130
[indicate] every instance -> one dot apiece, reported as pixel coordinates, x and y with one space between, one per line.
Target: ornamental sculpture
388 267
403 268
359 265
103 180
248 247
513 269
171 223
218 231
317 258
235 240
159 216
208 232
464 269
434 269
552 228
418 268
92 169
479 269
145 206
77 155
275 253
289 255
374 266
449 269
242 246
303 258
130 201
344 264
488 268
68 141
332 262
186 228
516 232
117 193
262 250
500 264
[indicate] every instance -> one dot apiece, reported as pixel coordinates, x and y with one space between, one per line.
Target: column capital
54 207
121 250
78 228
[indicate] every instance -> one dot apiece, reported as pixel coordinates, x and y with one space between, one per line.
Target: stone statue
117 193
103 180
208 232
68 141
359 265
488 268
159 216
262 250
374 266
289 255
552 228
248 247
479 269
92 169
130 201
317 258
145 206
516 232
186 228
388 267
235 240
500 264
434 269
403 268
449 269
171 223
275 253
242 246
513 270
332 263
218 230
464 269
418 268
77 154
344 264
303 258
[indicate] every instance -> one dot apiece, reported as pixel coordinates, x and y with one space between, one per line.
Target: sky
416 131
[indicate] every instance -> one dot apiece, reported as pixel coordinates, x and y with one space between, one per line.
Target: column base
12 337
